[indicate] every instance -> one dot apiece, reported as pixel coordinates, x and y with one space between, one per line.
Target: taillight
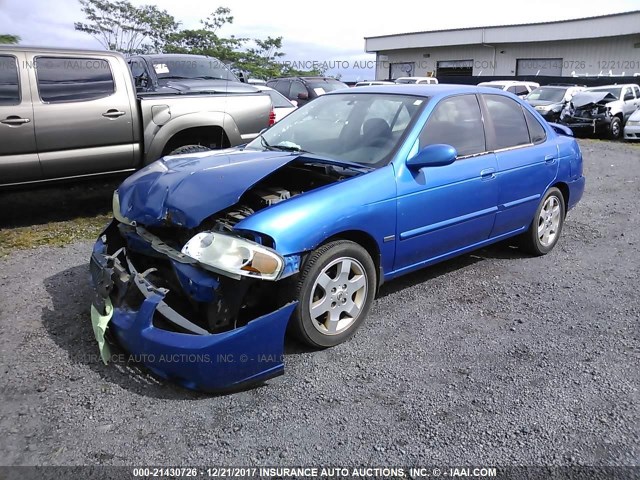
272 117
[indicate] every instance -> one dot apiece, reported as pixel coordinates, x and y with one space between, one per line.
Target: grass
55 234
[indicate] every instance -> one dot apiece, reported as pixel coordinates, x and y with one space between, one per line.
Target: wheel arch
210 134
366 241
564 189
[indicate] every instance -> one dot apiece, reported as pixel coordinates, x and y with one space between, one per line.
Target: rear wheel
189 149
335 292
545 229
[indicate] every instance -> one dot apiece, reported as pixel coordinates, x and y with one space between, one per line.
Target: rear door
83 114
18 153
630 102
527 161
442 210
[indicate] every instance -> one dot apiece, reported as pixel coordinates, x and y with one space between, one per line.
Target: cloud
321 31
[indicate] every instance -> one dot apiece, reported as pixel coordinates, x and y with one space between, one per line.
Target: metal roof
617 24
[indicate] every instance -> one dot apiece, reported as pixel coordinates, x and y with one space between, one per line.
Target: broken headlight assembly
117 214
234 255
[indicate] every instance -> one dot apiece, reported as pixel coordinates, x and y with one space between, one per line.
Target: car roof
421 90
53 50
508 82
619 85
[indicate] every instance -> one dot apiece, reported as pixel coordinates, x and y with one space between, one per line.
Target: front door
442 210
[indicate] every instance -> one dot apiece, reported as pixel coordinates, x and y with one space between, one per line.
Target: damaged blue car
212 257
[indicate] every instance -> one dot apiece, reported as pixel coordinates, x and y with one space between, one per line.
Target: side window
536 131
513 89
281 86
9 86
456 121
73 79
296 88
627 94
636 90
509 126
521 90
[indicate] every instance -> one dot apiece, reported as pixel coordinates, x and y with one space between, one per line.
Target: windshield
547 94
191 68
615 91
323 86
361 128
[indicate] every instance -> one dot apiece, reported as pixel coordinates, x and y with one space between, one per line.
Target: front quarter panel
365 204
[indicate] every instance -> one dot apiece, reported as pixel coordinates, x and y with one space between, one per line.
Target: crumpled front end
185 324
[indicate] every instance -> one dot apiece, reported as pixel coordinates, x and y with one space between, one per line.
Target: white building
605 45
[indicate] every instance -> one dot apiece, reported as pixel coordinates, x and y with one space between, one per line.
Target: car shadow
40 204
503 250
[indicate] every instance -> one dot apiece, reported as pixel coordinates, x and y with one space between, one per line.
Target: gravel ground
492 358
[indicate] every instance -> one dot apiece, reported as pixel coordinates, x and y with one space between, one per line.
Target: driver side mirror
141 81
303 96
436 155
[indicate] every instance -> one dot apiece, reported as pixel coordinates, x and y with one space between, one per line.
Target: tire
615 128
546 226
189 149
329 315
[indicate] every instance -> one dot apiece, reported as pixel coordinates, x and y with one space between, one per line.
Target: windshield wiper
207 77
282 148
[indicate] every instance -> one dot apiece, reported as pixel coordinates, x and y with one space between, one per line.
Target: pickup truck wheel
189 149
615 128
545 229
335 291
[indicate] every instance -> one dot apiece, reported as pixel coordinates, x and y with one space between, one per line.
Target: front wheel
334 292
186 149
615 128
545 229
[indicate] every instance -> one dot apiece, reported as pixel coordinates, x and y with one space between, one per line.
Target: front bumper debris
195 359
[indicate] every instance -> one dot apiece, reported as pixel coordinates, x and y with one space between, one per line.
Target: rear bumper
576 190
196 360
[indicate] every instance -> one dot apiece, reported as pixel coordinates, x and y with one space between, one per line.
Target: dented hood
184 190
587 99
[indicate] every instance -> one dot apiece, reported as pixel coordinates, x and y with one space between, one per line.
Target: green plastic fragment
100 323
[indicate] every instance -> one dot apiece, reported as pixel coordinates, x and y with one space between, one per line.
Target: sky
319 31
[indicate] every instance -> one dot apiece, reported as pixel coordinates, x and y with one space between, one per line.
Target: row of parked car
611 110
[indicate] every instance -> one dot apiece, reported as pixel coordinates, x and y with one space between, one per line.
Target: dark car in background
305 89
550 100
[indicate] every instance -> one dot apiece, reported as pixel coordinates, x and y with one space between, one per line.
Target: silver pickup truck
71 113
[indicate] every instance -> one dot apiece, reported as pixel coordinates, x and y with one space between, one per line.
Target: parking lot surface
494 358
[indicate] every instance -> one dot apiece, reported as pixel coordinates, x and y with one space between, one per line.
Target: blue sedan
213 256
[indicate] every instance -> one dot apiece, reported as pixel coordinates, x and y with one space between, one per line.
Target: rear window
9 88
73 79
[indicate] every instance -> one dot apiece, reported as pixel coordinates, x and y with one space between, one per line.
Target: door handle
550 158
488 173
15 120
113 113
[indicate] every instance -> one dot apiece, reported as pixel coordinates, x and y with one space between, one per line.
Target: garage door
539 66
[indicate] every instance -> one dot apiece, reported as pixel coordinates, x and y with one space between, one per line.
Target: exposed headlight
234 255
117 214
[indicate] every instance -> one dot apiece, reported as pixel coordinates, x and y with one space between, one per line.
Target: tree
205 40
120 26
9 39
